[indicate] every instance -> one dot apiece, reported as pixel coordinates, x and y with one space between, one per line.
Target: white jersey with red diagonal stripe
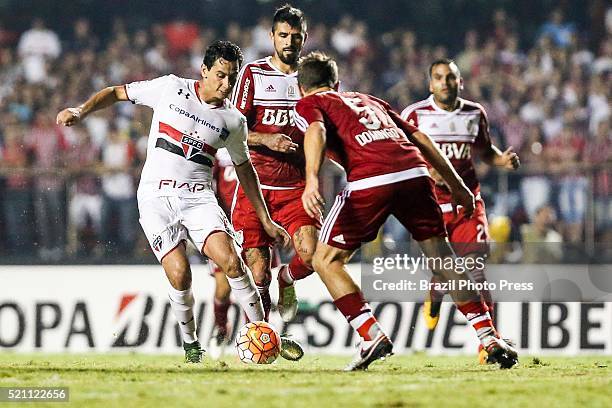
184 137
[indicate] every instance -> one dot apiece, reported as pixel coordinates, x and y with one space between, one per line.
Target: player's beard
450 98
289 59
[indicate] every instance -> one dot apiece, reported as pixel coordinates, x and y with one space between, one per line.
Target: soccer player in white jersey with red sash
266 93
459 127
191 120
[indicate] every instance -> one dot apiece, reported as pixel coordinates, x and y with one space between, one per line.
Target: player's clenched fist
69 117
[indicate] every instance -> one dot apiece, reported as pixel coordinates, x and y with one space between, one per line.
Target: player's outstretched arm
100 100
314 149
250 183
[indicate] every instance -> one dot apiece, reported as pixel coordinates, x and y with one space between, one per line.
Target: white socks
243 288
247 295
182 302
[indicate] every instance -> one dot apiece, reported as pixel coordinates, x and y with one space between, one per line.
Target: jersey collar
269 61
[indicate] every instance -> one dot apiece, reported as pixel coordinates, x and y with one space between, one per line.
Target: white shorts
167 221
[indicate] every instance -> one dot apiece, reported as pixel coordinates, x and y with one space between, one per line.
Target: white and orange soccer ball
258 343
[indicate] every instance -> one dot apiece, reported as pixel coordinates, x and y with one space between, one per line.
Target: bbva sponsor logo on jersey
278 117
454 150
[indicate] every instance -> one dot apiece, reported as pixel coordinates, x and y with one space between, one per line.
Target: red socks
478 316
359 314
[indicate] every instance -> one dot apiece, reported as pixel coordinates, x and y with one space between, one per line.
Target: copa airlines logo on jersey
193 117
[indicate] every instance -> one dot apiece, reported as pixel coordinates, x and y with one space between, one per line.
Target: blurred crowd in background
68 194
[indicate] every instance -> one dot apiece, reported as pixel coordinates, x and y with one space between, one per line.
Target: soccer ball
258 343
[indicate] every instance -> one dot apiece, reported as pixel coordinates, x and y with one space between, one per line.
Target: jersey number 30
370 117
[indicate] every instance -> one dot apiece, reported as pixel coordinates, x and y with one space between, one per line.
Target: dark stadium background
436 21
573 79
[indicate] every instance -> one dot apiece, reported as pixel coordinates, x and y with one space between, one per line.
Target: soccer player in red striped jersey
364 132
459 127
266 94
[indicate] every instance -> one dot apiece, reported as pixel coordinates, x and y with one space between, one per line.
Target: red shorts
285 208
357 215
468 235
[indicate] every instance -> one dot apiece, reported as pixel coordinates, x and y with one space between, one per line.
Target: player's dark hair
290 15
222 49
317 70
441 61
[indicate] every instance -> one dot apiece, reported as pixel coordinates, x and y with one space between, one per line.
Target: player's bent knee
179 279
318 260
436 247
305 241
232 266
258 261
322 259
176 267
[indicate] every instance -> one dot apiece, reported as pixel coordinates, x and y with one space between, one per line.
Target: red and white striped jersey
267 96
456 133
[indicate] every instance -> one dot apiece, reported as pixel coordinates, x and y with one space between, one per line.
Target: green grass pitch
418 380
